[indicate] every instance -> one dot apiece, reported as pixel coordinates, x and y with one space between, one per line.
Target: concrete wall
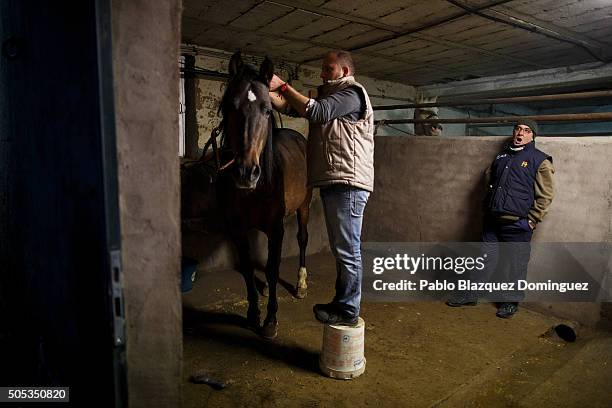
145 48
430 189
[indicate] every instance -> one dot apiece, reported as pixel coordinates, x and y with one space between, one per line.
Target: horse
262 181
427 128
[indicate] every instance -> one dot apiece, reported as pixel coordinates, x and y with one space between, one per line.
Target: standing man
341 163
520 191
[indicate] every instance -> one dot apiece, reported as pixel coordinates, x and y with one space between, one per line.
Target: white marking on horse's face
251 96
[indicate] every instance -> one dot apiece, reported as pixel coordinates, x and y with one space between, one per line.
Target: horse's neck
268 162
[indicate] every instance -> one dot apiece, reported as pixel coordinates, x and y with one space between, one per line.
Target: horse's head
247 111
426 128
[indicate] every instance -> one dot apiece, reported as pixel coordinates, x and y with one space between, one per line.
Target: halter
212 142
220 130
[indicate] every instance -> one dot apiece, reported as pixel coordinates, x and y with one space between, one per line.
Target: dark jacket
514 187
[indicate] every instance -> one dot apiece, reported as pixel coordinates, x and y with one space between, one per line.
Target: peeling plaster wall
146 96
431 189
208 94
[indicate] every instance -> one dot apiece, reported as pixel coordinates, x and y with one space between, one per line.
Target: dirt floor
418 354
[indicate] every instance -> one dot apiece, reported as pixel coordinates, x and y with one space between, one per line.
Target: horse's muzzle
246 177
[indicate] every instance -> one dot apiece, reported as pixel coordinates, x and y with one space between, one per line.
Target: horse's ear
266 70
235 64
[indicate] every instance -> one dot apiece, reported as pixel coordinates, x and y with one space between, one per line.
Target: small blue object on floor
189 268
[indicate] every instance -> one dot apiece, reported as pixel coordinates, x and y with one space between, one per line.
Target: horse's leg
275 246
302 237
246 269
264 291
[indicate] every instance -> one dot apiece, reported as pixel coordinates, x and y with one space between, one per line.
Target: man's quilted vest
341 151
511 187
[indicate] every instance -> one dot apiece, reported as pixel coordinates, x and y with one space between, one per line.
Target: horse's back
290 142
290 146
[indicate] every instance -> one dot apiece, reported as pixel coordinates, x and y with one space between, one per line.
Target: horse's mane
268 159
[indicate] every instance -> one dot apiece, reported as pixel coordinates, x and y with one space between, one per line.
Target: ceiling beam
323 12
451 44
546 29
399 32
447 71
413 30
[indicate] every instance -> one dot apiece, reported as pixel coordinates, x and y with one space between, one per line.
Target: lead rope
212 143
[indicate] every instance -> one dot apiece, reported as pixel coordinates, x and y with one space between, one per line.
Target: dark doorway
60 301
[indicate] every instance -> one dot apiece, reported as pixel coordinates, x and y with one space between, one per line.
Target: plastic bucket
342 355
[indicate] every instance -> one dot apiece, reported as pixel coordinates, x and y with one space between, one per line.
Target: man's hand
297 101
276 82
278 102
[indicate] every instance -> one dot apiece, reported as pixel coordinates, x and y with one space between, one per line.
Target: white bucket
342 355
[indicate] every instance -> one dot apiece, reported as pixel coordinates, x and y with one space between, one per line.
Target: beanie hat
531 123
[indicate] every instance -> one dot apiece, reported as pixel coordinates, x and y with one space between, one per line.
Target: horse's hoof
269 331
301 293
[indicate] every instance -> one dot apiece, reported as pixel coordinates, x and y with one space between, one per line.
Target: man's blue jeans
344 206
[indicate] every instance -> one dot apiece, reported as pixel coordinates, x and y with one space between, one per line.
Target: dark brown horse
263 181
